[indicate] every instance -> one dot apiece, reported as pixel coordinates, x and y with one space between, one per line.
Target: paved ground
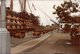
28 45
18 41
56 44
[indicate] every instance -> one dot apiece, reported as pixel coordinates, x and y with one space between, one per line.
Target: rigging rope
29 6
45 14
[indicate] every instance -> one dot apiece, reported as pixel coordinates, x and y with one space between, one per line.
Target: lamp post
4 34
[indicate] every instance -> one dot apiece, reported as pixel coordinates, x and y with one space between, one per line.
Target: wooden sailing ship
20 23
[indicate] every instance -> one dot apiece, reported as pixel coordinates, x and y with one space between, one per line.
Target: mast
20 1
11 5
22 5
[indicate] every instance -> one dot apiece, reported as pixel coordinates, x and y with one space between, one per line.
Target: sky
42 7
